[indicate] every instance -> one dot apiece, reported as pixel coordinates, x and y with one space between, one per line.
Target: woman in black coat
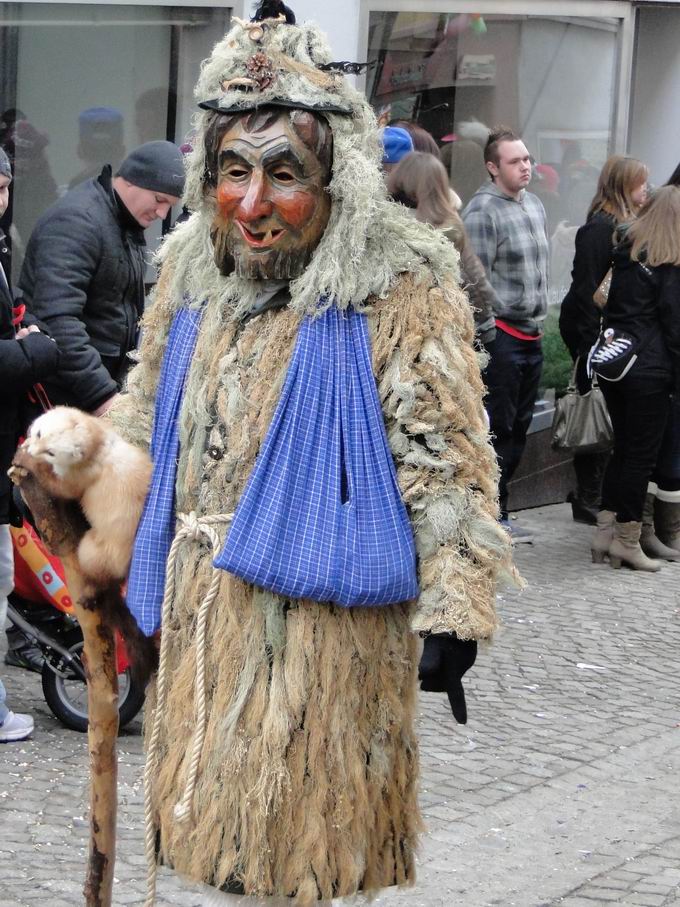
643 304
621 190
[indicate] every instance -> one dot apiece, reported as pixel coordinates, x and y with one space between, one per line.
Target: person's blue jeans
512 378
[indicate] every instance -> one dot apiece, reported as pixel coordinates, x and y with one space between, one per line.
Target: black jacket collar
127 222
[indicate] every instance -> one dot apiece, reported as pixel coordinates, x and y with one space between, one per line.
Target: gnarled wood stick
61 525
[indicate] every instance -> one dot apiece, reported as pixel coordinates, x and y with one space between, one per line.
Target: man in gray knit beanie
83 274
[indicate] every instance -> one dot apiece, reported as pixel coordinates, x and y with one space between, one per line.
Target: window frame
578 9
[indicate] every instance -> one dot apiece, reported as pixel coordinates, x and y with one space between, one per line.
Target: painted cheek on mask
228 199
295 207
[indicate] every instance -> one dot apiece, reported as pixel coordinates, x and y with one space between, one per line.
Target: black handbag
581 423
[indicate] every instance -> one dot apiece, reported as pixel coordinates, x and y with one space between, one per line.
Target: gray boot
625 549
603 535
667 521
649 542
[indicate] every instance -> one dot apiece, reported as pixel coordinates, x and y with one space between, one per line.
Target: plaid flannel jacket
510 238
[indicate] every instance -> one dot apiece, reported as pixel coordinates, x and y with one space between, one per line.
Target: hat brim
255 104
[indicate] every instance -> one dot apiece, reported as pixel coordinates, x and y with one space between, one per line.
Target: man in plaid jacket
507 229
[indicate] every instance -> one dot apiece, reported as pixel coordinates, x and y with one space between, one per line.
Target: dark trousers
667 472
589 469
512 378
639 407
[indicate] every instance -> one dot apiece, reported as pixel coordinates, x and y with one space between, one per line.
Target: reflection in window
81 85
550 78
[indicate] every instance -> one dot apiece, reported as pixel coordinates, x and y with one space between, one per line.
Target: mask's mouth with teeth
259 239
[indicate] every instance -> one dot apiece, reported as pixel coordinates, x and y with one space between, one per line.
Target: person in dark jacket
644 302
83 274
26 356
621 190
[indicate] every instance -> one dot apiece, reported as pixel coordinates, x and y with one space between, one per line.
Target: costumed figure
308 382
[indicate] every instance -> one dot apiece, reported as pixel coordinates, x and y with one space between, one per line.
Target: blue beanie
397 143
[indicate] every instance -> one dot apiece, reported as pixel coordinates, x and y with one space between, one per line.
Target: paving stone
559 791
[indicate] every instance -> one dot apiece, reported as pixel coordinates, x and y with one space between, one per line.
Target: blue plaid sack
321 516
156 530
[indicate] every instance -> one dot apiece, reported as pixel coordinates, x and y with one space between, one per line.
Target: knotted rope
191 528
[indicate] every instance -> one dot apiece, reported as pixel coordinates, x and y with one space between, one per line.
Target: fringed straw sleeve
132 414
431 389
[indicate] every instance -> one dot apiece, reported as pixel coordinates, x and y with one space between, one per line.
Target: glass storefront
81 85
550 78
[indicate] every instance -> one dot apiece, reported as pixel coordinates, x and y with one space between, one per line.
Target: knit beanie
397 143
158 166
5 166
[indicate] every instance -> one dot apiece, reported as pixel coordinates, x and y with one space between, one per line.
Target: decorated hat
272 62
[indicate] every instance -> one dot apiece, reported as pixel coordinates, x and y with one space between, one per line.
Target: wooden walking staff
61 525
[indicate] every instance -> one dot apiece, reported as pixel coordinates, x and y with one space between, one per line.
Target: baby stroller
40 607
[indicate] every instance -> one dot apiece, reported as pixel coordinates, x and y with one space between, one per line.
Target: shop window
549 78
81 85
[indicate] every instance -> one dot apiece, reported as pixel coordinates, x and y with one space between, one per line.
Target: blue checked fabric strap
156 530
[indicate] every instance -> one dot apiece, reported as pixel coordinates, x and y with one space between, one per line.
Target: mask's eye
235 173
283 176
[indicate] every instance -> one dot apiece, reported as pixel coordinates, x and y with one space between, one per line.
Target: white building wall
655 120
338 18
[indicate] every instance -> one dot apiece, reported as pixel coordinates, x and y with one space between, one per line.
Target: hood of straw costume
369 239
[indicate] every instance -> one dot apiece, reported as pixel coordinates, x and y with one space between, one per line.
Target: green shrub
557 364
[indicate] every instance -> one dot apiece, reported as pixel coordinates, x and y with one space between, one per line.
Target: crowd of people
631 493
74 322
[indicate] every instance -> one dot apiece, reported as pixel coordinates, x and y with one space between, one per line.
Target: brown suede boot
650 544
667 521
625 549
602 538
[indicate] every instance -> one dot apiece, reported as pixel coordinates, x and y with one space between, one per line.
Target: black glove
444 661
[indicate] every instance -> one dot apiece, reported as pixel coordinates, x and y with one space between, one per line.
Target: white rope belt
192 528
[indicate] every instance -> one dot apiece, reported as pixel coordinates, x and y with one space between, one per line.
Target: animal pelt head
66 444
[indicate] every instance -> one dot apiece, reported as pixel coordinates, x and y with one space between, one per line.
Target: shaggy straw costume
308 775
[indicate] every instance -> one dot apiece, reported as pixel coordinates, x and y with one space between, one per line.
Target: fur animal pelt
81 460
88 462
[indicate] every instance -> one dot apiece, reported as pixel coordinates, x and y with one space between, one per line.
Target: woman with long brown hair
621 190
638 370
420 182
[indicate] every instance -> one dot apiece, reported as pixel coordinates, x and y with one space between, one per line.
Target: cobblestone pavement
562 789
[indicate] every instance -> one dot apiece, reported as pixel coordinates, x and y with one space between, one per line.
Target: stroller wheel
67 696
